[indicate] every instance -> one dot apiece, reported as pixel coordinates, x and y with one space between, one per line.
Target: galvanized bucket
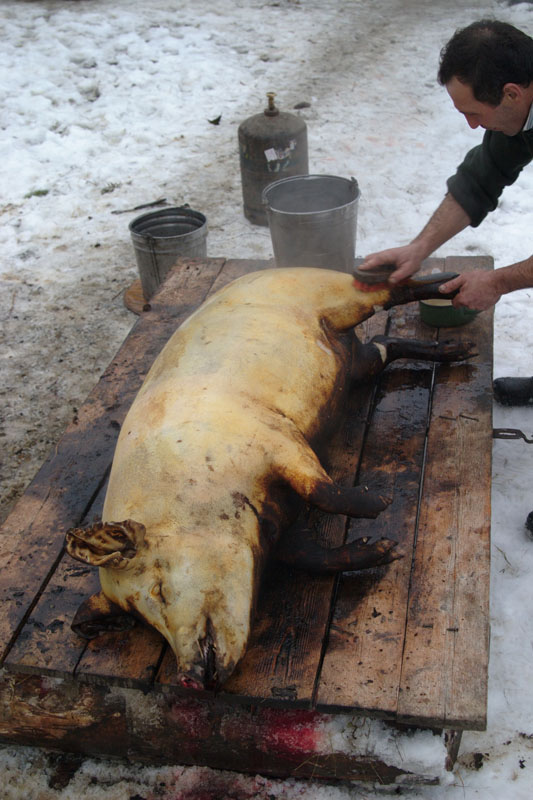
313 221
161 237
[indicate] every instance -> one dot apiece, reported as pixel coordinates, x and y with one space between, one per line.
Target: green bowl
441 314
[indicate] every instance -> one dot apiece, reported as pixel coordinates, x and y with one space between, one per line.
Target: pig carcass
228 420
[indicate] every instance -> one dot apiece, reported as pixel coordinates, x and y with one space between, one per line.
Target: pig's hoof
367 504
388 551
456 351
363 554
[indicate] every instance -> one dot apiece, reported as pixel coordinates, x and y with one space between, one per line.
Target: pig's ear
106 544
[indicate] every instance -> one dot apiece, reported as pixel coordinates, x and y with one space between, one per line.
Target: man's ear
513 91
106 544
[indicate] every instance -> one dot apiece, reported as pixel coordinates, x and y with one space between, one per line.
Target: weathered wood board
407 642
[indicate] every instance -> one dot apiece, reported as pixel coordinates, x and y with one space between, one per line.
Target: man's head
487 69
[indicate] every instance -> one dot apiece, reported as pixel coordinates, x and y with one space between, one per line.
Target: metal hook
510 433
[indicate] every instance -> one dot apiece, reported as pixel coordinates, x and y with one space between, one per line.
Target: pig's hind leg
371 358
443 352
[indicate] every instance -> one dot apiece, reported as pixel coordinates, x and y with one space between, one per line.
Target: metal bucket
161 237
313 220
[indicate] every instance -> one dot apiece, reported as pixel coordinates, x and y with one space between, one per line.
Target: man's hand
478 290
407 259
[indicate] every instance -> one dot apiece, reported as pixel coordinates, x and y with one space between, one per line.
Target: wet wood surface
407 642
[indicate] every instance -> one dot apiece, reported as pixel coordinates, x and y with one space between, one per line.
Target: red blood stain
290 733
293 735
192 719
189 683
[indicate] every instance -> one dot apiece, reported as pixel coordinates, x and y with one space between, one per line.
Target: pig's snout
205 673
188 682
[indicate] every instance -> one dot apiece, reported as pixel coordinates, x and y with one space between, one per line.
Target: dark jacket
487 169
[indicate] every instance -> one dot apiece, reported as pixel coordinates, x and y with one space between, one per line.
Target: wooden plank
362 662
235 267
31 539
445 666
46 645
368 626
160 728
130 658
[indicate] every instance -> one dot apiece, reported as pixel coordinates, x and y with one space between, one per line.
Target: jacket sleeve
487 169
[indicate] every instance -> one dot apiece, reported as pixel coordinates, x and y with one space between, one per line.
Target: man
487 69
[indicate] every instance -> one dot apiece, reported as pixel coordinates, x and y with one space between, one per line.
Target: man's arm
448 220
477 185
479 289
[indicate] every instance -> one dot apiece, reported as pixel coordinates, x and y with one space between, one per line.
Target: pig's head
200 599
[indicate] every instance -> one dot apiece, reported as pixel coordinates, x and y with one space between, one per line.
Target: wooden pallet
407 643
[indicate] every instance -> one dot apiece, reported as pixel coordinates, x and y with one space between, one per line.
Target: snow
105 106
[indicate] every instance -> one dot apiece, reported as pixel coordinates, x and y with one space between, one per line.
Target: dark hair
486 55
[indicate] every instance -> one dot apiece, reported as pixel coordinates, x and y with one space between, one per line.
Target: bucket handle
353 181
150 241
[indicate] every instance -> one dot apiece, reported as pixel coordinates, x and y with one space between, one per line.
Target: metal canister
272 145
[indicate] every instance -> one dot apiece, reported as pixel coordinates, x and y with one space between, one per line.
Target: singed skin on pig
223 423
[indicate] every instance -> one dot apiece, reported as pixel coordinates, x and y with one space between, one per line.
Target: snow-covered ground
104 107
